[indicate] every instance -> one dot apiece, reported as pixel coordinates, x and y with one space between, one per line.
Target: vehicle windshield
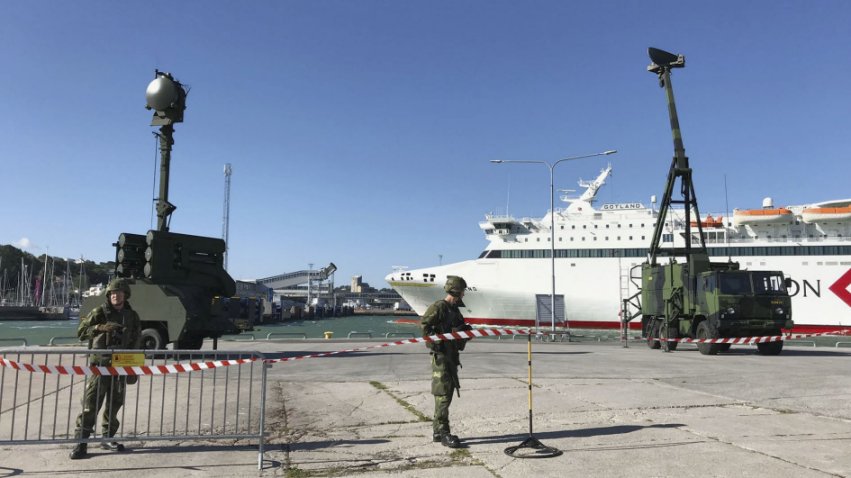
751 283
768 283
734 283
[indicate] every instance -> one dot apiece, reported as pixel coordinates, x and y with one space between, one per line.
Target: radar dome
161 94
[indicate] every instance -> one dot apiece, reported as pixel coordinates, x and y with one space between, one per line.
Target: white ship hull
502 292
507 282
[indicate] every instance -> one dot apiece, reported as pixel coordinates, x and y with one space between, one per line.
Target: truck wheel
770 348
724 347
653 334
705 332
666 332
152 339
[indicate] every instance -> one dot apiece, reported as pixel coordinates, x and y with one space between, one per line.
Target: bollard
328 334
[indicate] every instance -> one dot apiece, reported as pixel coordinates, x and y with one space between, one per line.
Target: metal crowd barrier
218 402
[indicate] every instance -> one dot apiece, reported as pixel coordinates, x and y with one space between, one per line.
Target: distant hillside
10 270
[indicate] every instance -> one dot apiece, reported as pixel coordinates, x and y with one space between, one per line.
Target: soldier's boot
450 441
80 449
112 445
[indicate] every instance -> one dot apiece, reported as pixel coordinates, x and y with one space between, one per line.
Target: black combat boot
112 446
450 441
81 449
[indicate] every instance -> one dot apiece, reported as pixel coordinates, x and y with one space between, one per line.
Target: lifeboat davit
779 215
825 214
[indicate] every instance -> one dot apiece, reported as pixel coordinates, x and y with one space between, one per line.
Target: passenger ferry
596 249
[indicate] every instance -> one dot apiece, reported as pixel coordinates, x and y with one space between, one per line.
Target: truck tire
666 332
770 348
704 331
653 334
152 339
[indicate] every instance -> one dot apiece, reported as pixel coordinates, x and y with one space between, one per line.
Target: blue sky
360 132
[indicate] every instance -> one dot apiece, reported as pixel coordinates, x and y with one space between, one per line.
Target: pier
612 411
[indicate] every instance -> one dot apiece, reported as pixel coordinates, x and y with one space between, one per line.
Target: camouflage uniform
443 317
106 388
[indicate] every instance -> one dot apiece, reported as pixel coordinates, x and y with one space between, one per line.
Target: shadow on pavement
581 433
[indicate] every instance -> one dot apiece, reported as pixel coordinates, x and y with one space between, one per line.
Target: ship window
630 238
562 228
537 239
642 224
619 238
630 225
584 226
595 226
525 239
571 239
619 226
595 238
583 238
574 227
607 238
559 239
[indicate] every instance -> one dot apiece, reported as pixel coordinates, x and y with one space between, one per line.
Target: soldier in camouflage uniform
113 325
443 317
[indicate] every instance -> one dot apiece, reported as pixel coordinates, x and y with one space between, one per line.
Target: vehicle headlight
778 311
731 310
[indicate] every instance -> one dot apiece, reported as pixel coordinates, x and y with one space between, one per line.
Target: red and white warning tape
192 367
467 334
108 370
464 334
752 340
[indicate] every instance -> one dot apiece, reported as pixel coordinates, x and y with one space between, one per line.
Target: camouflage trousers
106 391
442 387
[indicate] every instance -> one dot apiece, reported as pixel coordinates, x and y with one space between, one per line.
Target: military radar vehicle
178 283
698 298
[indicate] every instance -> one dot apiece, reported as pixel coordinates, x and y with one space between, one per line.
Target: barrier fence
207 395
177 395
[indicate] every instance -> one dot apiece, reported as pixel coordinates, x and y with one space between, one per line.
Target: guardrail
359 334
286 335
179 395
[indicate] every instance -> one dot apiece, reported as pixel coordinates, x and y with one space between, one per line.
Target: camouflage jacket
128 338
441 318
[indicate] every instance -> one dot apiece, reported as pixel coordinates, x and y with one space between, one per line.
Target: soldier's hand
109 327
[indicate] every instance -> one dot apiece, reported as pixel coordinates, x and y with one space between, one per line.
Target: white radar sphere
161 93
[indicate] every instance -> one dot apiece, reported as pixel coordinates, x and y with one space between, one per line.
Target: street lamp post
552 223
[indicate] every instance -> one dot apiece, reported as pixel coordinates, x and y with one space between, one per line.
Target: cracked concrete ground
611 411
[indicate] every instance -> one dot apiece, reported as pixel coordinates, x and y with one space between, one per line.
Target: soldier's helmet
118 284
455 285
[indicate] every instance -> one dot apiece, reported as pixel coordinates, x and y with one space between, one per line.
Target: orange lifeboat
763 216
709 222
825 214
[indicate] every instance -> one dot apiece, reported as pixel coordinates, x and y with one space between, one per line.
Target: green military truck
689 296
717 300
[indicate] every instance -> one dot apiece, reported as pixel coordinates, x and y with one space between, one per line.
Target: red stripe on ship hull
634 325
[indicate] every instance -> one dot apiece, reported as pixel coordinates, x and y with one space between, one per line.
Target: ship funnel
767 203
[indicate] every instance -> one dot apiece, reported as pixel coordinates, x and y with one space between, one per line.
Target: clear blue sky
360 131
